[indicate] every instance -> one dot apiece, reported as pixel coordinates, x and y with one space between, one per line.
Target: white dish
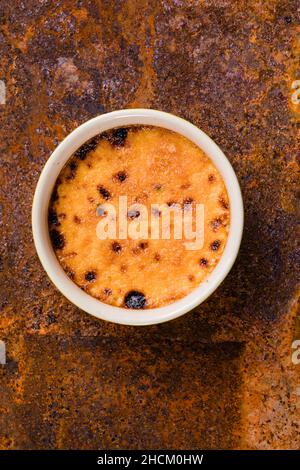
45 186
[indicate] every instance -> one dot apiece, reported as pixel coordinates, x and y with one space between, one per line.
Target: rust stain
145 93
293 74
221 376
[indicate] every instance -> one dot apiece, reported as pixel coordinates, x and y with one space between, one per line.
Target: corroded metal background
222 376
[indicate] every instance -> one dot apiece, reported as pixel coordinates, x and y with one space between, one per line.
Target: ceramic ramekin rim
44 189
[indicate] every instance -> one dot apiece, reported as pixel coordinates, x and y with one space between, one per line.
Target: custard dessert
151 168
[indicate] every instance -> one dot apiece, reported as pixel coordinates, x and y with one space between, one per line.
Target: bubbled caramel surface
149 165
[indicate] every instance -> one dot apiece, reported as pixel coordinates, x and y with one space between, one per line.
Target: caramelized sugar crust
149 165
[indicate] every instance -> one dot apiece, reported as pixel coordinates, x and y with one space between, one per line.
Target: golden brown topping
150 166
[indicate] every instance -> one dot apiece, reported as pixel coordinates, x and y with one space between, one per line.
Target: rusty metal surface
219 377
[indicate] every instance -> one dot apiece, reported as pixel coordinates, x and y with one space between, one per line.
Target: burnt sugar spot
121 176
143 245
223 202
123 268
191 277
214 246
73 165
133 214
116 247
90 276
211 178
135 299
86 148
57 239
104 192
171 203
140 247
54 195
216 224
117 137
77 219
188 201
107 292
53 217
203 262
70 273
157 257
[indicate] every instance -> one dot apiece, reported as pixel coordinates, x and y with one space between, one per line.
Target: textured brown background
220 377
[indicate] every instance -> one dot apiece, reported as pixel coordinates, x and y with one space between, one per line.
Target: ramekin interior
43 193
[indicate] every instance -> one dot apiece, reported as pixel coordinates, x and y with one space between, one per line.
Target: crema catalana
139 217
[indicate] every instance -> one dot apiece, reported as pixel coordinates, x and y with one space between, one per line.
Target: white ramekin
46 183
